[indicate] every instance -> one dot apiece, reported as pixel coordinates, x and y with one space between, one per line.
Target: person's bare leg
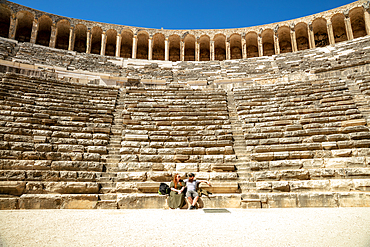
195 201
190 200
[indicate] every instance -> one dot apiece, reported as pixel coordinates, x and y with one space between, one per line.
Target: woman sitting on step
177 195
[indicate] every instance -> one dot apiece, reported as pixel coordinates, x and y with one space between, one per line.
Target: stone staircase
240 146
361 99
108 179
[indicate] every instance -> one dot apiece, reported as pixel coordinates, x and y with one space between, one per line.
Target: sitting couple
177 186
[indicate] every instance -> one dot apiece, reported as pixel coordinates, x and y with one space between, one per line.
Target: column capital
310 26
366 6
346 13
292 26
243 35
276 28
260 31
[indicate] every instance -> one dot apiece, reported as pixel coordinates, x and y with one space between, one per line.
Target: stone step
107 179
108 175
106 190
107 204
108 197
112 161
113 156
114 146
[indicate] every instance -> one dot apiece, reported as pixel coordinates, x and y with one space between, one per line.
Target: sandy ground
265 227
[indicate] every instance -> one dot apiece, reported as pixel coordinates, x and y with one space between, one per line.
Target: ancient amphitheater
96 115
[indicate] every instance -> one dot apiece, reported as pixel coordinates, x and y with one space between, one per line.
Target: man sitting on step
191 193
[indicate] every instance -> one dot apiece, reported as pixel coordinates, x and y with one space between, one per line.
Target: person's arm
204 181
176 190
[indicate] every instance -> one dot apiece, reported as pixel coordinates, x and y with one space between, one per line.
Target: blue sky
189 14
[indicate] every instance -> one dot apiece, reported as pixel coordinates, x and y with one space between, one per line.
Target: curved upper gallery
29 25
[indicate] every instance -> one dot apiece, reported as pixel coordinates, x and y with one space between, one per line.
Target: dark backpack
164 189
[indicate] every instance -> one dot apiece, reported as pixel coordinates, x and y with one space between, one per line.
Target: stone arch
204 48
158 46
174 47
44 30
339 28
357 22
285 41
62 39
24 26
126 43
189 42
252 44
142 45
301 32
220 47
96 34
80 38
5 15
236 51
268 42
110 45
320 32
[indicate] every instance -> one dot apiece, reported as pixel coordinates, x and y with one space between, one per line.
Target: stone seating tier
175 125
299 123
307 144
50 125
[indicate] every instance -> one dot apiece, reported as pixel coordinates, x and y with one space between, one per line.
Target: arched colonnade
159 45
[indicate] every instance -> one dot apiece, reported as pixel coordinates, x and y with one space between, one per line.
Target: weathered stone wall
307 63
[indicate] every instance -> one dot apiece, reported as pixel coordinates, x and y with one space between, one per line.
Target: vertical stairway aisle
240 146
108 179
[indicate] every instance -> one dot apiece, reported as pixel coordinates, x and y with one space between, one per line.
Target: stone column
276 40
13 27
311 36
329 27
34 31
166 50
134 46
366 7
150 48
260 45
244 46
53 36
118 45
71 43
293 38
197 50
103 43
228 49
212 50
182 50
347 24
88 41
